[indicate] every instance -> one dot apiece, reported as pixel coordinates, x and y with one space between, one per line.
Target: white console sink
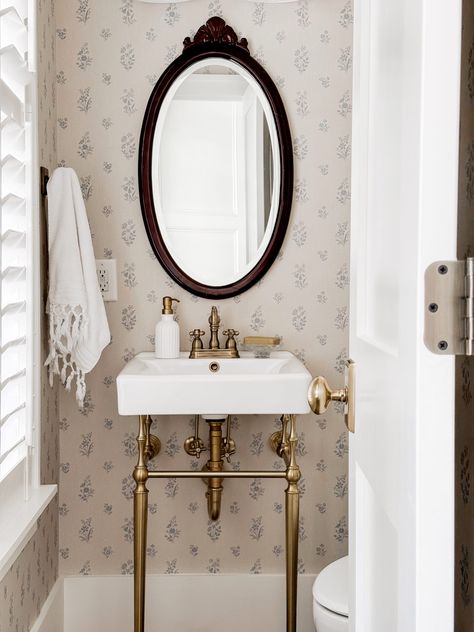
247 385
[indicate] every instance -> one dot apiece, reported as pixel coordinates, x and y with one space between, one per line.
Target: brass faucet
214 351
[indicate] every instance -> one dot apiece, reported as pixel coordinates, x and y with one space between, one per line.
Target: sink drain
214 367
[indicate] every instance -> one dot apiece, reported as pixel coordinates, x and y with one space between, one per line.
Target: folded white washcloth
78 327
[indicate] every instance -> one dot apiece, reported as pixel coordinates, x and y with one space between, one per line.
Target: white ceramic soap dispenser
167 331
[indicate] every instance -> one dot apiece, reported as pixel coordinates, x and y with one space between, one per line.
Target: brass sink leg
292 494
146 449
284 443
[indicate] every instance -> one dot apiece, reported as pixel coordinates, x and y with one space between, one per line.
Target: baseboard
51 617
175 603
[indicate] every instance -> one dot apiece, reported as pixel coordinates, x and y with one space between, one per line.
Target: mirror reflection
215 172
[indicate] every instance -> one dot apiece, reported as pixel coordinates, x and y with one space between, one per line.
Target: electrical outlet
107 277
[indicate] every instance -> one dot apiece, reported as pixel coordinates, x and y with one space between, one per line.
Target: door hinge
449 307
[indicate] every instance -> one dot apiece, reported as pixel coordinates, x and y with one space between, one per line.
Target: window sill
18 523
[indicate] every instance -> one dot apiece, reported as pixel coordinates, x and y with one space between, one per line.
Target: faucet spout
214 322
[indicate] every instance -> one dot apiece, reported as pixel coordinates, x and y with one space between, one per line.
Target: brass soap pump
167 331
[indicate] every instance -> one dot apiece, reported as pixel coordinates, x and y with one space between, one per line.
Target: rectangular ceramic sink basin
247 385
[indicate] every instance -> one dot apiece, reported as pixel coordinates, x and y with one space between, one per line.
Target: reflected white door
405 157
202 185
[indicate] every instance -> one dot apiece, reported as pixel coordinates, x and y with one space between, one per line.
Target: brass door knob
320 395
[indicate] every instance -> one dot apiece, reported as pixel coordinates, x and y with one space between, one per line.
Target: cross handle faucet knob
196 337
231 343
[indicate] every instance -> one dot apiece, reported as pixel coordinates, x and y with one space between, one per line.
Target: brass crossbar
190 474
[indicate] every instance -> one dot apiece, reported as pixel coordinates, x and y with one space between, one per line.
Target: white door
405 158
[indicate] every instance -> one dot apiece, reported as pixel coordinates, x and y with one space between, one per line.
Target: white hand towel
78 327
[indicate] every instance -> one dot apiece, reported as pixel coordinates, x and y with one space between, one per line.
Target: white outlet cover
107 277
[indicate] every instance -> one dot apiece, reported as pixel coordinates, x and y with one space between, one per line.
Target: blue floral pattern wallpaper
109 56
27 584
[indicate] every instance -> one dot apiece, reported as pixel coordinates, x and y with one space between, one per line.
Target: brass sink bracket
214 351
228 444
283 442
220 448
194 445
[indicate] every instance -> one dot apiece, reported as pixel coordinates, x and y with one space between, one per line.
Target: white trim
437 235
264 1
185 602
182 602
51 617
18 517
32 36
35 295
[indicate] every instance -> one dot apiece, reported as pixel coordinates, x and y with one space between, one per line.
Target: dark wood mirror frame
215 39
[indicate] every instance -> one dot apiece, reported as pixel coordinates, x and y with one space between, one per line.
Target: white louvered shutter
16 291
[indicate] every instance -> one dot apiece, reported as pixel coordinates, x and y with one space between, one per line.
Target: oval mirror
216 166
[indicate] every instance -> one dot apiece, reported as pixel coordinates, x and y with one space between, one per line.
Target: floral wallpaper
26 586
109 56
464 595
29 581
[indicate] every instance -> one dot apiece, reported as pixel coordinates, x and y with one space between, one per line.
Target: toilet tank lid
331 588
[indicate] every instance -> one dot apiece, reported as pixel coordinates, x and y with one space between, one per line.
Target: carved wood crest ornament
216 31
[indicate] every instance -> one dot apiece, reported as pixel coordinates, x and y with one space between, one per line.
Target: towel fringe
67 325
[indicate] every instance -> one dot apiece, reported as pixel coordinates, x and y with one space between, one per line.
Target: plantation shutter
16 144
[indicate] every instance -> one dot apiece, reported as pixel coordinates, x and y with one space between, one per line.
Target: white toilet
330 598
